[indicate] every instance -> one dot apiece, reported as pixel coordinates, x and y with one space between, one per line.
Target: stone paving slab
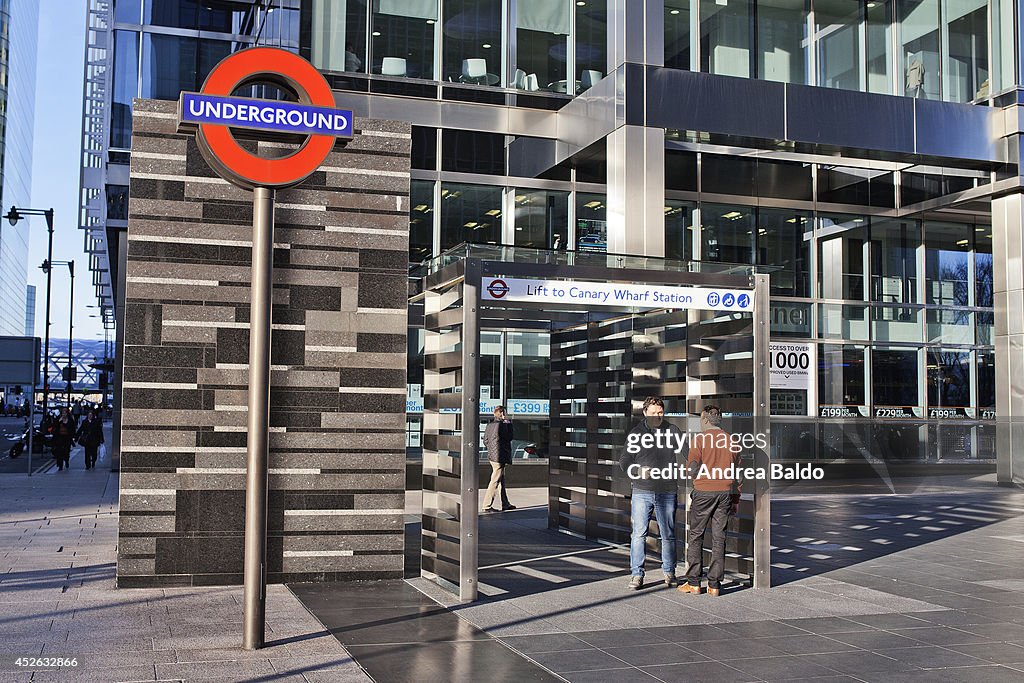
58 536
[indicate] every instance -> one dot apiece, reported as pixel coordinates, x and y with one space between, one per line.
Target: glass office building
853 149
19 29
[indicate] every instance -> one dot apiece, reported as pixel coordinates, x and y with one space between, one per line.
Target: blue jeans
664 505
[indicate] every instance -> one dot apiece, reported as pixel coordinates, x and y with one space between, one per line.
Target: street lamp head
45 267
13 216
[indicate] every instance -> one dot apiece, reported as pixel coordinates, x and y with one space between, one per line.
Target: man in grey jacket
498 440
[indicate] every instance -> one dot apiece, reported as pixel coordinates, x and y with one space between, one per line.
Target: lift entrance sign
570 292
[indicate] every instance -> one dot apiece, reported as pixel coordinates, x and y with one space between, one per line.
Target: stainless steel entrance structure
605 360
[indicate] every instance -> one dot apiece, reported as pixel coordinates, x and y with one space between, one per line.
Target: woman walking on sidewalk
90 435
63 435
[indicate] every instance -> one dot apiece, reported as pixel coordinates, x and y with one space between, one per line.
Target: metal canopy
604 362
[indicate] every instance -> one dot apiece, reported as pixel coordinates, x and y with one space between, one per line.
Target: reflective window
1003 22
950 325
677 34
843 185
894 261
784 179
222 16
421 220
986 380
591 42
949 379
471 214
729 175
894 377
128 11
280 28
840 321
528 357
725 37
983 265
837 30
879 47
680 170
472 41
966 66
919 21
791 319
947 246
467 151
542 219
542 45
591 222
841 256
727 233
490 366
117 202
896 323
171 64
783 241
781 40
424 148
679 230
402 38
125 81
338 35
841 376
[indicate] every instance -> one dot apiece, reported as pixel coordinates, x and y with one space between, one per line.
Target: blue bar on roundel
270 115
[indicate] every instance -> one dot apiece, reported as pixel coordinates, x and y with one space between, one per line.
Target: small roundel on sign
497 288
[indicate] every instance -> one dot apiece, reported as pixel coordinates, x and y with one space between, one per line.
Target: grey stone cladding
338 378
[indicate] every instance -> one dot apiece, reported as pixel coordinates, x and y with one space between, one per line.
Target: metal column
762 388
470 460
257 452
1008 293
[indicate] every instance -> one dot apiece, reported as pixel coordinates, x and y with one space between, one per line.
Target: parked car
525 450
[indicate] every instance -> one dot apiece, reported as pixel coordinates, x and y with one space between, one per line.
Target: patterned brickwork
337 442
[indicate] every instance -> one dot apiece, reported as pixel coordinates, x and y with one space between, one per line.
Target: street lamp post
13 216
71 322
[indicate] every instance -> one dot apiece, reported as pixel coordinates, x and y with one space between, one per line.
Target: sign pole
31 425
257 452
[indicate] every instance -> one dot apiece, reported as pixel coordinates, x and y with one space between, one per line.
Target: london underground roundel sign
214 111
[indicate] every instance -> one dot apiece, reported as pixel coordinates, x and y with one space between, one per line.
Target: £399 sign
215 111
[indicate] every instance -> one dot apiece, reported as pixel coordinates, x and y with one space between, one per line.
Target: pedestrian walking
90 435
63 436
498 440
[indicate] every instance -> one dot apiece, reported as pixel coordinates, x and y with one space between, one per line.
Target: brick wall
337 442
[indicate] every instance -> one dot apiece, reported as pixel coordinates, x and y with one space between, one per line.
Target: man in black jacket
498 440
652 445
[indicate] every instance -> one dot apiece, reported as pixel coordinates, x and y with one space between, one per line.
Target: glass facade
932 49
19 31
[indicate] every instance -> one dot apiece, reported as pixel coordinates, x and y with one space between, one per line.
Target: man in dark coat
63 434
90 435
498 440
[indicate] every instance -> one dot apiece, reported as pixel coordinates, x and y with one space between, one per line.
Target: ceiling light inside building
420 207
493 212
592 205
961 243
376 34
732 215
471 224
675 11
487 46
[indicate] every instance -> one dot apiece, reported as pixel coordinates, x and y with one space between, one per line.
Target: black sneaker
636 582
509 507
489 510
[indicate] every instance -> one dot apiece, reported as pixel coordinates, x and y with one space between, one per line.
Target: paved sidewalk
58 536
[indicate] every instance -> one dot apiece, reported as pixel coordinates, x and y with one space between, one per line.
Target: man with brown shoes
714 498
